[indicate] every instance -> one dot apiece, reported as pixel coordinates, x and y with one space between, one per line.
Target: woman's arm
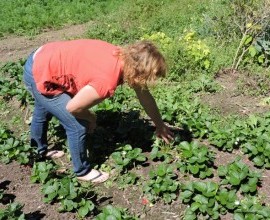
149 104
78 106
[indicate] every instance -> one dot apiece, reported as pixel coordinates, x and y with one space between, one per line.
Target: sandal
95 176
54 154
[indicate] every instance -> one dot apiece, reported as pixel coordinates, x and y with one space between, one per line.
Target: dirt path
14 48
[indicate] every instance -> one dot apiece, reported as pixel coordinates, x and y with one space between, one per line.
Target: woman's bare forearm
149 104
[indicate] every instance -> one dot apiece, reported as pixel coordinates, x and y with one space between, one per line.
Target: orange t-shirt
68 66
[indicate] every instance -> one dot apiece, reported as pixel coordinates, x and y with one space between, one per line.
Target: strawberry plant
204 83
226 136
11 85
239 176
195 159
42 172
12 211
227 200
70 194
207 199
127 156
201 198
13 149
253 136
127 179
162 184
110 212
251 208
4 134
162 152
259 150
196 118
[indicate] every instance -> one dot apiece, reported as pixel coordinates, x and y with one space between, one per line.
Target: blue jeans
47 106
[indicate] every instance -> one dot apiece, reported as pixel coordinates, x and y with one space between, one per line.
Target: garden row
236 192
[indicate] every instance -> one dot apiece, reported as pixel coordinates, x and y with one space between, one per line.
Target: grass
121 22
31 17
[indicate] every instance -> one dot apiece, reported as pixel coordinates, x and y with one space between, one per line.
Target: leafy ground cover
218 165
32 17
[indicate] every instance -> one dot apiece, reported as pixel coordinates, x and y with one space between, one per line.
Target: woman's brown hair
143 63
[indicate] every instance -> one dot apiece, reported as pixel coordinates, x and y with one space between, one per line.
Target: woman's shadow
123 128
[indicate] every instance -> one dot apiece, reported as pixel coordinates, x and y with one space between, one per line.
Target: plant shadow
34 215
4 184
7 197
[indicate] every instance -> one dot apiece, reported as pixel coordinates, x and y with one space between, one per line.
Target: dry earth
14 48
16 179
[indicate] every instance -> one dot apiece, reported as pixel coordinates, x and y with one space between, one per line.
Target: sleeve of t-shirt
102 87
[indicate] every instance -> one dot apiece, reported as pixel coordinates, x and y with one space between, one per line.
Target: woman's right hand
164 133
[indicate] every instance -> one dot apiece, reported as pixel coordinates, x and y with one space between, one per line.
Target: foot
94 176
54 154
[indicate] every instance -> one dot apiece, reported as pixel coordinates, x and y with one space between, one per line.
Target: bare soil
232 101
13 48
15 179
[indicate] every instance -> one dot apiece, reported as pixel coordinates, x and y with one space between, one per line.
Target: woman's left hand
164 133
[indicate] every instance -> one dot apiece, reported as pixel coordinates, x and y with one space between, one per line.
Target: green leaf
265 212
209 172
215 215
194 206
128 147
261 58
111 217
248 40
222 170
117 158
206 64
234 179
201 199
153 153
203 208
40 166
194 169
68 205
203 175
185 145
258 160
126 161
245 188
141 158
200 186
161 171
185 194
238 216
189 215
252 148
51 189
83 211
211 189
110 210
